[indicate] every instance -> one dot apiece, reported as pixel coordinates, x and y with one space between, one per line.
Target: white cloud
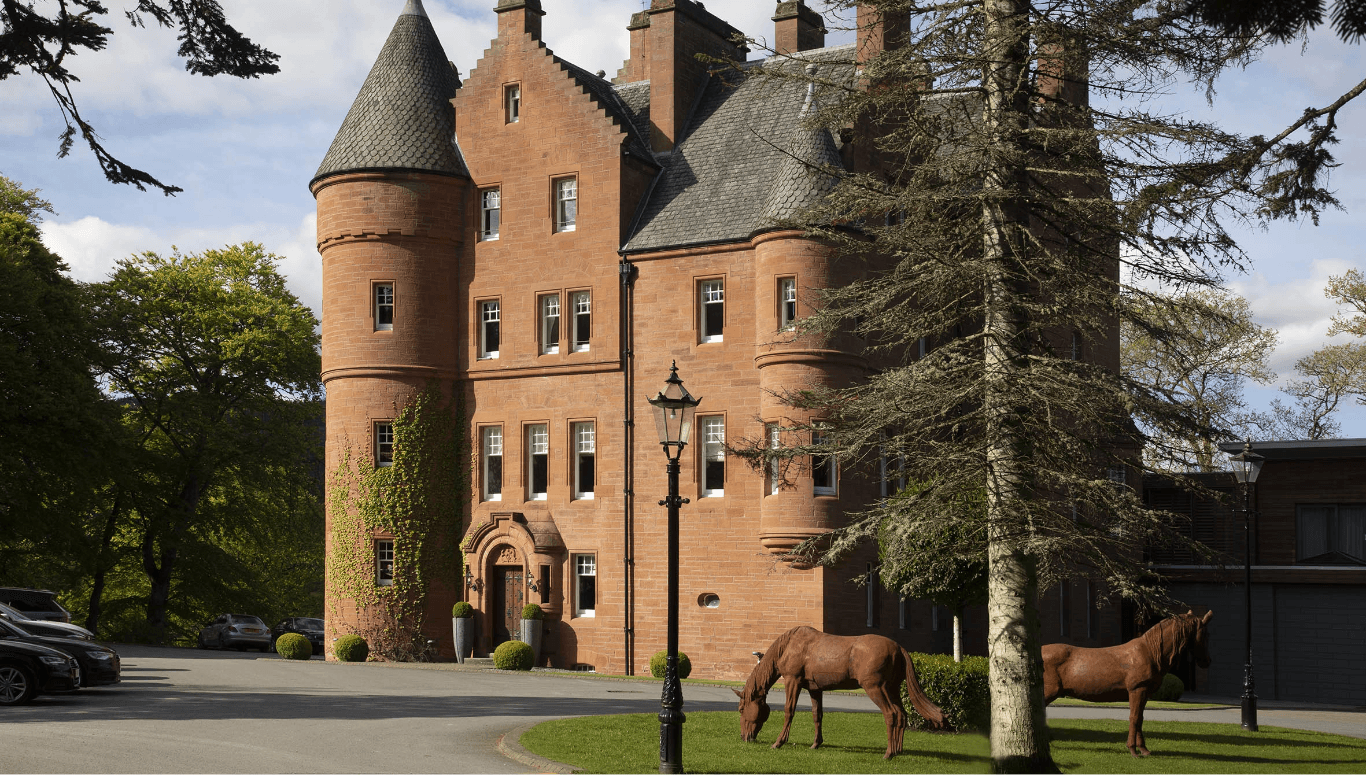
1295 307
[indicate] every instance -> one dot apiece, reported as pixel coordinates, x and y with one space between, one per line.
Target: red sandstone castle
544 242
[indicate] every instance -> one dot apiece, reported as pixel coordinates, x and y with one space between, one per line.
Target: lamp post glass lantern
674 408
1246 466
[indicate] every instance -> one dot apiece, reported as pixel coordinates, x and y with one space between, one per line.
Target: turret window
384 307
822 465
489 320
384 562
787 302
491 208
566 204
582 303
384 444
512 102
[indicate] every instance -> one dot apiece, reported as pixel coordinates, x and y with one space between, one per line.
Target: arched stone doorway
512 562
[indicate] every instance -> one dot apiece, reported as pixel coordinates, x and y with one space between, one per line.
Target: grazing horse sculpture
809 659
1131 671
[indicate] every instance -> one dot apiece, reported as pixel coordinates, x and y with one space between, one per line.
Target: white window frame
581 333
383 296
384 559
490 213
774 443
384 443
827 462
490 311
787 303
584 437
888 485
537 444
491 446
713 449
585 566
548 309
566 195
512 103
711 294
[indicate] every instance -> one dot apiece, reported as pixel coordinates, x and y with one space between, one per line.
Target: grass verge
854 742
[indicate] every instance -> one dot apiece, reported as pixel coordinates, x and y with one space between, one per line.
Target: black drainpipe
627 271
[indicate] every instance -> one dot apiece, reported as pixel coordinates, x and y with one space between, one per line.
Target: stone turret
392 195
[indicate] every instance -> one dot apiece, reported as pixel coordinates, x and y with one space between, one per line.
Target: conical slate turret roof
402 118
802 179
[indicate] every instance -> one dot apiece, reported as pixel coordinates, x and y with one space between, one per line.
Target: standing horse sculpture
1131 671
809 659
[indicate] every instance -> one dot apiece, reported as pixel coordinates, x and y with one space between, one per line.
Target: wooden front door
508 599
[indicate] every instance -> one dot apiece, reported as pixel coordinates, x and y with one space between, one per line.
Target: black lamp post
674 409
1246 465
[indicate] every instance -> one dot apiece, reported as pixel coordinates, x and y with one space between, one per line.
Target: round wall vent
709 600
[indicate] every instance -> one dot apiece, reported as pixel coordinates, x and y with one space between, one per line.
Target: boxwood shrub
960 689
1171 689
292 645
659 662
532 611
351 648
513 655
462 610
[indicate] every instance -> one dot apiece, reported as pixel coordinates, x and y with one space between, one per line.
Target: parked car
237 631
54 629
99 665
28 669
35 604
304 625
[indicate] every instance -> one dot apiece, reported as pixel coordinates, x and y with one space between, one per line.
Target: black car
35 603
306 626
99 665
26 669
54 629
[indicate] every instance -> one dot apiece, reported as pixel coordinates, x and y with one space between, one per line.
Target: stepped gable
636 97
734 167
402 118
611 102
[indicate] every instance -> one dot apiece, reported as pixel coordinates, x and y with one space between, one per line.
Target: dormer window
512 102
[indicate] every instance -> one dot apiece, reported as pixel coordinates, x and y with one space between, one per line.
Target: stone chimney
665 42
878 32
1062 70
519 17
797 28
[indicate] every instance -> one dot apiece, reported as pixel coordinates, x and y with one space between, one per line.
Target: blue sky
245 150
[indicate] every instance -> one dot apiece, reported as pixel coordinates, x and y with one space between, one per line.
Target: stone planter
531 636
464 638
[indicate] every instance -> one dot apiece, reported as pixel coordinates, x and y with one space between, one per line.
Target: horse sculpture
809 659
1131 671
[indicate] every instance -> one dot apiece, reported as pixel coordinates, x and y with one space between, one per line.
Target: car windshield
240 619
14 614
309 624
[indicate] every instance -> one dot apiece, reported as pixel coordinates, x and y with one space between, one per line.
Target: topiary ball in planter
462 610
532 611
1171 689
659 663
351 648
292 645
513 655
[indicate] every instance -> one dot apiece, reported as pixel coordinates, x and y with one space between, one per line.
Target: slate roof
734 173
402 117
610 100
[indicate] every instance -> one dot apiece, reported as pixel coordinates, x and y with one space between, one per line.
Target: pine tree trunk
1019 731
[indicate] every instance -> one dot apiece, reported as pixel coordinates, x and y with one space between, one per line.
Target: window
566 203
1330 528
1092 614
537 461
822 466
585 453
585 584
582 304
713 457
787 302
488 329
384 307
713 313
512 103
493 463
491 210
871 602
1076 346
891 473
937 613
923 347
550 324
1117 476
384 444
1065 609
384 562
774 440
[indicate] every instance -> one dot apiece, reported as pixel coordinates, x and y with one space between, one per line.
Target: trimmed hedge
351 648
1171 689
659 663
513 655
960 689
532 611
292 645
462 610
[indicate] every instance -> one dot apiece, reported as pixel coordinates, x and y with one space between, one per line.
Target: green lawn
854 742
